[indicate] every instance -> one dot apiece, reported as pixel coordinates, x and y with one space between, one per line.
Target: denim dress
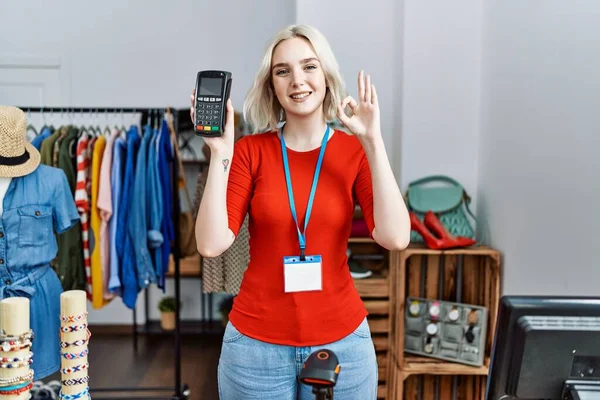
36 206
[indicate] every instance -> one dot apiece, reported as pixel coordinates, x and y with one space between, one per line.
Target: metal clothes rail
179 391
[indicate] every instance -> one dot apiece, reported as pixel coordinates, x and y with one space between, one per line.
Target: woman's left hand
364 122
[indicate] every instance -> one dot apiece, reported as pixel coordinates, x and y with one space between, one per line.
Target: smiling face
298 78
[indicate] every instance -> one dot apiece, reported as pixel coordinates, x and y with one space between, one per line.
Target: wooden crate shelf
188 267
372 288
425 386
423 365
375 293
382 392
381 343
360 240
470 275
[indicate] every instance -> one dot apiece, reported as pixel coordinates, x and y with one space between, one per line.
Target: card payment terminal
212 92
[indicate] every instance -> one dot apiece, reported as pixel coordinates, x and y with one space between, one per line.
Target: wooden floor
113 363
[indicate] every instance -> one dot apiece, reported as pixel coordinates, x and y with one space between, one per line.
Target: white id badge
302 276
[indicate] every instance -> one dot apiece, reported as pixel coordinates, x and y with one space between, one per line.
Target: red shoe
433 223
431 241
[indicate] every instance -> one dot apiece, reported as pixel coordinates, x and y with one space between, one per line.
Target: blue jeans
250 369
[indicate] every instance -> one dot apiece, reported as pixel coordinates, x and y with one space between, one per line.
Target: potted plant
166 307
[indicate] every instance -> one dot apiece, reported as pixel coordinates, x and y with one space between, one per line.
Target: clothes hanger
106 130
161 116
44 124
116 126
95 130
123 127
51 127
30 128
62 113
73 124
148 116
82 131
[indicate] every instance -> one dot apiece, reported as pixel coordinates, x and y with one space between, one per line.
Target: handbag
448 201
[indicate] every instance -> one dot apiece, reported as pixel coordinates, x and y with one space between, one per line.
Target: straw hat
18 157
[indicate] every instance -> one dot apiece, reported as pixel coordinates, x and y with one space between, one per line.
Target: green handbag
448 202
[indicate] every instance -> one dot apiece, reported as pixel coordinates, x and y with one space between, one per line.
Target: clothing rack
181 391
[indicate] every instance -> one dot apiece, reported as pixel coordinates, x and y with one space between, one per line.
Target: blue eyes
284 70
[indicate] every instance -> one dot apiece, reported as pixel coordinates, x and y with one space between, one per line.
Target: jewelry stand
14 322
74 337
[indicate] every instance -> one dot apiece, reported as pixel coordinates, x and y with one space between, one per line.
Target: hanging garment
124 241
97 286
35 207
105 211
82 201
154 210
70 266
165 165
47 148
224 273
90 152
116 178
137 226
57 145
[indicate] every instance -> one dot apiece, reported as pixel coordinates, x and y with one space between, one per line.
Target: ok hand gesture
365 121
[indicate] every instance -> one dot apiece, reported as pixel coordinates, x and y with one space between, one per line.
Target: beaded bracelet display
20 364
76 381
15 345
17 379
76 343
20 390
73 318
26 336
77 368
77 396
74 356
14 386
73 328
16 359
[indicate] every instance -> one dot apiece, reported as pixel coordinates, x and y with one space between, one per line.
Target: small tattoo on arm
225 164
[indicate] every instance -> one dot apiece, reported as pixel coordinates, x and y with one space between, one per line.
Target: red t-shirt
262 310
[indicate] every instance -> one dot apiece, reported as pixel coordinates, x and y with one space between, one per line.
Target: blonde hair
262 110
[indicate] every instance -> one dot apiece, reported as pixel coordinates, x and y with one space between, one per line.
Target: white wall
539 188
363 43
143 53
441 90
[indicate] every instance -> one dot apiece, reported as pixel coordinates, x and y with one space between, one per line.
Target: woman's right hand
221 144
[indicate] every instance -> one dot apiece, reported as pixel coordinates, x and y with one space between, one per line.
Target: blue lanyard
288 181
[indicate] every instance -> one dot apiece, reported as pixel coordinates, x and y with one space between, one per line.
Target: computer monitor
546 348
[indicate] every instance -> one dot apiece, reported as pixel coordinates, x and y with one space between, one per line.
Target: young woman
299 183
